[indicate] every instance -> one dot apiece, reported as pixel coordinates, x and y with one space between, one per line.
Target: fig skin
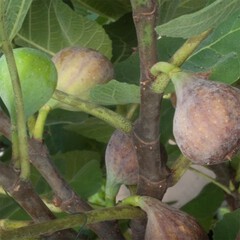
121 163
168 223
206 123
79 70
36 71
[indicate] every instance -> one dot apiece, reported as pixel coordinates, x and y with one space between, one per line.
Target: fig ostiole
79 70
121 164
206 122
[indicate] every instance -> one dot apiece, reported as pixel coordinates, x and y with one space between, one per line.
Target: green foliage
59 116
228 227
52 25
107 8
122 44
202 208
115 93
77 166
9 209
15 12
192 24
175 8
92 128
220 53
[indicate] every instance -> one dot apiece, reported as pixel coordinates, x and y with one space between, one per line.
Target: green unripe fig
207 118
79 70
38 79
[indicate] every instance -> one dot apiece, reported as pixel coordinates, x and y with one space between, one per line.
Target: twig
18 117
91 217
178 58
24 194
111 117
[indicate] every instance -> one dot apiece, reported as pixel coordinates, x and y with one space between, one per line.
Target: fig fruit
38 79
168 223
79 70
121 163
206 123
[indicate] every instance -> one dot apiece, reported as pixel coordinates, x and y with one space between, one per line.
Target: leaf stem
102 113
223 187
179 57
71 221
19 117
180 166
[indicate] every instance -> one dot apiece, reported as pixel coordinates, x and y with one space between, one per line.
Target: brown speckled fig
168 223
121 163
207 118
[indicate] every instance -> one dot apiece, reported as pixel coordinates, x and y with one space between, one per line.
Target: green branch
179 57
19 134
102 113
71 221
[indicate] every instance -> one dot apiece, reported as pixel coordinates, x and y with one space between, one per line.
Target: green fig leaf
82 170
38 78
14 15
107 8
115 93
220 53
123 44
175 8
128 70
193 24
52 25
10 209
229 227
60 116
203 209
92 128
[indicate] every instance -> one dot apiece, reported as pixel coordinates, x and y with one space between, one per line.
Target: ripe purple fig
121 163
206 123
168 223
79 70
